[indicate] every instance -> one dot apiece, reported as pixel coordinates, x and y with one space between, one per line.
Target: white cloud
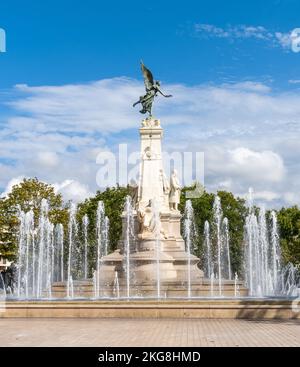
292 198
294 81
72 190
266 195
250 87
242 31
239 31
266 165
284 39
249 134
11 183
47 159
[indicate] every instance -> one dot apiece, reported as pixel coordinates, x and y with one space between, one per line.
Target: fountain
85 224
217 215
127 243
100 237
116 289
72 240
2 289
225 239
265 275
207 251
189 236
36 256
157 233
58 275
217 247
154 259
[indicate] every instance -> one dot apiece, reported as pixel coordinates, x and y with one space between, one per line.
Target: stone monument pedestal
157 249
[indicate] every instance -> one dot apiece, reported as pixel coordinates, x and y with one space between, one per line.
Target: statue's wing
148 77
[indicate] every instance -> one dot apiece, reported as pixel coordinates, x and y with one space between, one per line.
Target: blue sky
59 42
229 65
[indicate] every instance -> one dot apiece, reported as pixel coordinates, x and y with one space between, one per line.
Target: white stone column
150 183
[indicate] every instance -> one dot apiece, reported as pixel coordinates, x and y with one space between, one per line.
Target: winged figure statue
152 88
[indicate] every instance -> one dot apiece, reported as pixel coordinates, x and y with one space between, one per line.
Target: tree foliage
113 199
30 192
233 208
289 225
26 196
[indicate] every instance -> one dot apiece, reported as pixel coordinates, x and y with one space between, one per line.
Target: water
275 252
70 288
45 256
217 247
129 235
265 275
2 289
212 280
85 225
225 233
72 237
217 219
236 287
42 248
58 266
35 254
101 234
116 287
207 251
157 226
106 235
189 236
95 284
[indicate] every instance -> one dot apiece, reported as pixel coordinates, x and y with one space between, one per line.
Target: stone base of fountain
208 309
171 265
148 289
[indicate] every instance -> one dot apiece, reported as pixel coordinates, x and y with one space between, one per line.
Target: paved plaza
148 332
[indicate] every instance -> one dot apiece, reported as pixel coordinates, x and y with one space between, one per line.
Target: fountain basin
171 308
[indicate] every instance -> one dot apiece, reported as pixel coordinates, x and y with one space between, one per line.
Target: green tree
26 196
113 199
235 211
289 226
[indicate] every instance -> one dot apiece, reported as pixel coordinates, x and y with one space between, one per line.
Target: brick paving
148 332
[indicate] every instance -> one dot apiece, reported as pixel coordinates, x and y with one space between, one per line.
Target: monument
152 260
157 248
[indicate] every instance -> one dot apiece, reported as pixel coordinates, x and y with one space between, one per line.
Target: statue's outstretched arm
165 95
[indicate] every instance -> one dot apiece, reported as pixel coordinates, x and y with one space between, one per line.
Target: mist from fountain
116 286
220 260
225 234
217 220
212 280
129 222
58 254
35 270
102 228
189 231
265 275
2 289
208 270
72 241
42 260
106 235
85 225
236 289
157 234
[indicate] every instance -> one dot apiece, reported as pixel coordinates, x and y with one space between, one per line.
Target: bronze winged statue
152 88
